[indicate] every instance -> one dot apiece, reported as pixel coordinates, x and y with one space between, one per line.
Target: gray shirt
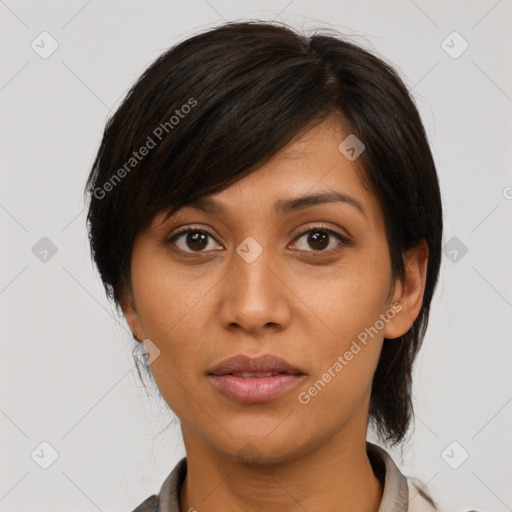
399 494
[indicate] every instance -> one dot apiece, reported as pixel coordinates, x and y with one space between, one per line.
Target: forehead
309 170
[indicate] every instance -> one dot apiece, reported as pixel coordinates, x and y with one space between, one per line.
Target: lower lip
256 389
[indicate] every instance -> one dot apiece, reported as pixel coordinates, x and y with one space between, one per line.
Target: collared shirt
399 494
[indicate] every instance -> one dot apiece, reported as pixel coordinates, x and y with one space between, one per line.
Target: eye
190 239
319 238
195 240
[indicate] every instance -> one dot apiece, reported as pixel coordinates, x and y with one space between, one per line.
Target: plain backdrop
69 395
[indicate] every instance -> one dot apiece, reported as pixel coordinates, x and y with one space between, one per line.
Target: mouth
251 375
265 366
258 380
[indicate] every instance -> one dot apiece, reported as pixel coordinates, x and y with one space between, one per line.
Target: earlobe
127 304
409 291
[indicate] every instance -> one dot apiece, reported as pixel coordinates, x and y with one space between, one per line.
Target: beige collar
395 497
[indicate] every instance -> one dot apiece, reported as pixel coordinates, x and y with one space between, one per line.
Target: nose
254 297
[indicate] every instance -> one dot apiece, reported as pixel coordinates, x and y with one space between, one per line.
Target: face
267 273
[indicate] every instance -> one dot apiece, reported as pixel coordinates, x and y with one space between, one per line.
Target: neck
336 476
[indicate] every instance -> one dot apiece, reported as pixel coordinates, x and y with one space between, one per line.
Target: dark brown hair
217 106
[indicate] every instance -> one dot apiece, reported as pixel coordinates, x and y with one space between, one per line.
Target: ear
409 291
127 303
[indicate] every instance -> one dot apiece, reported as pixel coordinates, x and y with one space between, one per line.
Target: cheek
167 307
352 300
165 296
351 305
344 369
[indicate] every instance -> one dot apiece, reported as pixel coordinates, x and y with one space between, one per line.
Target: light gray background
66 371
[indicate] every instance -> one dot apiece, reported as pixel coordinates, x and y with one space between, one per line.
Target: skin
296 301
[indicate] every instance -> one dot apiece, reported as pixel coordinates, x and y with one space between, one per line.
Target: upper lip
261 364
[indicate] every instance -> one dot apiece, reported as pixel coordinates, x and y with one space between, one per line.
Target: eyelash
317 228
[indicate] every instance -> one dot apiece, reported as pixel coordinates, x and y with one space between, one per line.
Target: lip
261 364
254 389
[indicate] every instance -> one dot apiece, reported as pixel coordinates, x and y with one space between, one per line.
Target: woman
265 212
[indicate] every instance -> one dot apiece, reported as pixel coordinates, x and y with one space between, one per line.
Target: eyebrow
285 206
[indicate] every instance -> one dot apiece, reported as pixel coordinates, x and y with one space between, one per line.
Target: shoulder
167 500
401 492
150 504
419 501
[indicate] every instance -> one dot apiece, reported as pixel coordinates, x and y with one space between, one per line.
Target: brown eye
319 238
196 240
190 240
